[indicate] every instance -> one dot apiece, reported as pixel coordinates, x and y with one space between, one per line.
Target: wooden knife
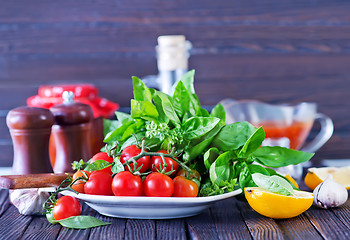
40 180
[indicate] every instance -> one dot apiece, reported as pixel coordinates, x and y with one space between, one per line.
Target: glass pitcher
284 125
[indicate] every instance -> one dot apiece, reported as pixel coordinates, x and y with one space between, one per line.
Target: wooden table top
227 219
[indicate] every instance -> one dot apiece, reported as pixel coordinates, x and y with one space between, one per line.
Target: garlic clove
28 201
330 194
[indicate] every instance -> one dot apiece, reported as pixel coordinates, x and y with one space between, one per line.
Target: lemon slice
275 205
315 176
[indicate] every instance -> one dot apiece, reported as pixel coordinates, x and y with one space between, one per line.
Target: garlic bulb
28 201
329 194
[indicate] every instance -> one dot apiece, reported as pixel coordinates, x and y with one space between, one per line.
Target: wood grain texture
140 229
170 229
4 200
328 224
116 230
7 226
260 227
228 221
298 228
201 227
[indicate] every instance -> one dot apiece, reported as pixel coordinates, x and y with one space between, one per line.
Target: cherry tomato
158 185
99 183
66 207
132 151
127 184
103 156
194 174
184 187
79 184
157 163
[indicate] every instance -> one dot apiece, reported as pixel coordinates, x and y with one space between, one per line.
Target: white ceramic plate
150 207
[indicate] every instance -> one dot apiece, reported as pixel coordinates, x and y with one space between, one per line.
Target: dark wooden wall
273 51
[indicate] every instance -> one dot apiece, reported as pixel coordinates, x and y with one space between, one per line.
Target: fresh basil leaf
162 117
168 107
117 133
143 109
131 129
219 112
188 80
210 156
82 222
181 100
117 167
202 113
195 105
273 172
123 117
197 146
222 170
279 156
110 125
198 126
97 165
233 136
253 143
141 91
254 168
273 184
245 177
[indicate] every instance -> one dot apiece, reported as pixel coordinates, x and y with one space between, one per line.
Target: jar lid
29 118
49 96
79 90
70 112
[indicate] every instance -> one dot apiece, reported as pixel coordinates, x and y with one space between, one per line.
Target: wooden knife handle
32 180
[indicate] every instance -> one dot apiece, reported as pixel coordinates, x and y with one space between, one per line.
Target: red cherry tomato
127 184
194 174
157 163
132 151
184 187
103 156
99 183
66 207
158 185
79 184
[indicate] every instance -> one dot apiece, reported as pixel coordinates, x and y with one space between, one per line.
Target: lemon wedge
275 205
315 176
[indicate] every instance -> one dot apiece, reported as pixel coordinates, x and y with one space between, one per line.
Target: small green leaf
233 136
181 100
97 165
82 222
279 156
273 184
221 170
117 166
219 112
202 113
123 117
253 143
168 108
143 109
198 126
141 91
210 156
110 125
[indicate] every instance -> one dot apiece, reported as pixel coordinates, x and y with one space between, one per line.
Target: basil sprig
222 153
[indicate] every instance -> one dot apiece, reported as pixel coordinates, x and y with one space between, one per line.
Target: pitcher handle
323 136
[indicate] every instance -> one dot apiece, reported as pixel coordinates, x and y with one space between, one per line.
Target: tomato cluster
158 183
164 180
